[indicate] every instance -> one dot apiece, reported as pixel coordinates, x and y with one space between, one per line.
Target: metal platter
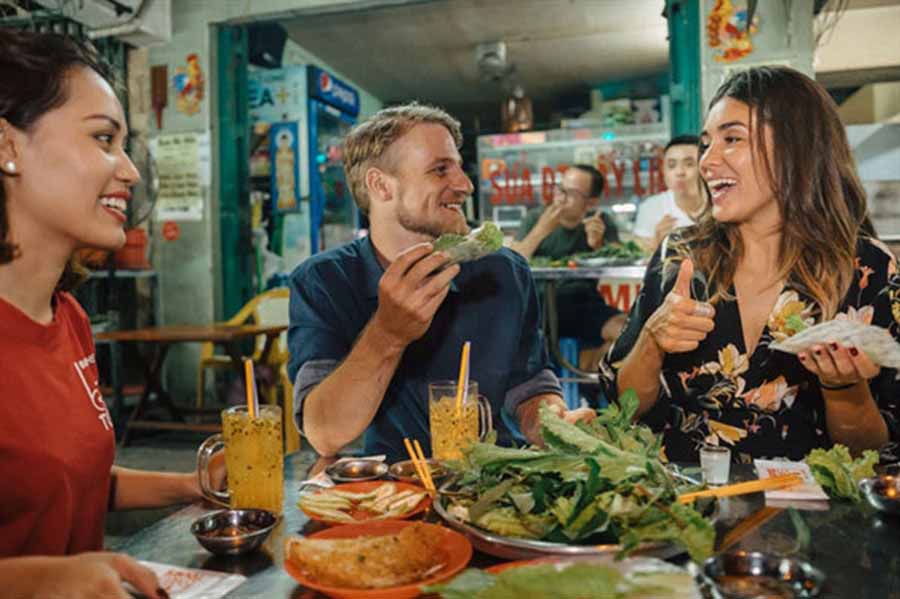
517 548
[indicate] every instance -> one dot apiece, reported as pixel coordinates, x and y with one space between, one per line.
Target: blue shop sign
329 89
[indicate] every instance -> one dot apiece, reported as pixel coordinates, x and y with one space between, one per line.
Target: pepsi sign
329 89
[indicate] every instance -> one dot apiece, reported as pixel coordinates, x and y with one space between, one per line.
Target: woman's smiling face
73 176
733 167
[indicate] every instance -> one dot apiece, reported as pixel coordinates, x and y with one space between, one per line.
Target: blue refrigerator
331 112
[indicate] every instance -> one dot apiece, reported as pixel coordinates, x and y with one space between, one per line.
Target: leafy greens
572 581
601 482
837 471
622 252
478 243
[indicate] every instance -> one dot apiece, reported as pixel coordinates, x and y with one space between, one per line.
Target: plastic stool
568 349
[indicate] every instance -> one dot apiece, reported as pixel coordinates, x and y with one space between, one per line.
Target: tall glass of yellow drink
453 427
254 459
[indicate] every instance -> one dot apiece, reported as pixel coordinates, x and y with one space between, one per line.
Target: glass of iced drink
453 429
254 459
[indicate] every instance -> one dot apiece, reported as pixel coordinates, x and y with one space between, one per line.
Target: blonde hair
820 198
368 143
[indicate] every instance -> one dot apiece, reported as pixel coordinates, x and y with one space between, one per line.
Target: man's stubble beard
430 229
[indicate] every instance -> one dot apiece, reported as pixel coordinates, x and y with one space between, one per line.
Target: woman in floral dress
785 243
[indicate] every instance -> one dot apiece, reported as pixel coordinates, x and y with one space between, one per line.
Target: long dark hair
33 81
814 180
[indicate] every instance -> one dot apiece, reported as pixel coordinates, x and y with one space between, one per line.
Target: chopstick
753 486
426 469
420 464
748 525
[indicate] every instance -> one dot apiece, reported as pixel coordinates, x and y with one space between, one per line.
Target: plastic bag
877 343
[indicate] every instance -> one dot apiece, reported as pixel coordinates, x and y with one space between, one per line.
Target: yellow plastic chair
291 436
270 307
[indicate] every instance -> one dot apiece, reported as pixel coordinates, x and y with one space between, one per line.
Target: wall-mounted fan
144 194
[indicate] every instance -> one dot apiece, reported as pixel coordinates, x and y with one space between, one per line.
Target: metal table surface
856 547
554 273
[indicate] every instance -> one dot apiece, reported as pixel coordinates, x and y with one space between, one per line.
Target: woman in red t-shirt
64 185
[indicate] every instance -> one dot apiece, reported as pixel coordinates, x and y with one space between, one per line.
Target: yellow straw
249 384
426 470
462 385
415 461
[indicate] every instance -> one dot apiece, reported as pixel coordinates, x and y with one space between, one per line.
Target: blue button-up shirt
492 303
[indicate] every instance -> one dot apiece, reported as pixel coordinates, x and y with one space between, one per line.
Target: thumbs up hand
681 323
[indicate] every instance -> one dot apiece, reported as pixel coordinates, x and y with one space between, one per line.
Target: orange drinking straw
462 385
250 386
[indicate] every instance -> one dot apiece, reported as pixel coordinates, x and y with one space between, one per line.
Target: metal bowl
234 532
744 575
883 492
351 471
405 471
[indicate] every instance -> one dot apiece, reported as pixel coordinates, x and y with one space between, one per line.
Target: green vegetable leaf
837 471
478 243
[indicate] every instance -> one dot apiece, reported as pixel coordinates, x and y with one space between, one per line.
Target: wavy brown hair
814 180
34 70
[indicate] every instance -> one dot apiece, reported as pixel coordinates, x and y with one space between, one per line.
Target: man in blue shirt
373 322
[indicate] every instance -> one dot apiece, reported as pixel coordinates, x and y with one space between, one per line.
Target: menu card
188 583
810 490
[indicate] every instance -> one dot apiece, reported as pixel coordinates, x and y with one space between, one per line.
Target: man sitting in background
658 215
561 229
374 321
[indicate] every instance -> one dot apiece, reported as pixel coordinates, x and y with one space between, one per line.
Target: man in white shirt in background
684 200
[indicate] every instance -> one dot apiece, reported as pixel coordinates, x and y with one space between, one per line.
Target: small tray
743 574
351 471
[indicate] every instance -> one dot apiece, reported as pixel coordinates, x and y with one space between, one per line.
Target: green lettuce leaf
478 243
837 471
577 580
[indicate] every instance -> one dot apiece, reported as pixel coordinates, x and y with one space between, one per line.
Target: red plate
455 550
365 516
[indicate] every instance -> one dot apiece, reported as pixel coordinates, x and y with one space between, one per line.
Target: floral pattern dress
765 404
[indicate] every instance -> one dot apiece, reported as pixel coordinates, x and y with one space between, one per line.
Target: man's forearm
853 418
640 371
529 244
648 244
340 408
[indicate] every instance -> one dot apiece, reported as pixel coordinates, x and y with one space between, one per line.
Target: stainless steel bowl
405 471
234 532
742 575
883 492
351 471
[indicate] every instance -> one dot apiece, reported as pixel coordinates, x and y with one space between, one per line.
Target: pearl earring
11 166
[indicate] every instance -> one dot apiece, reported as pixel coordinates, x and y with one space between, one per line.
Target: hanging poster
178 162
285 177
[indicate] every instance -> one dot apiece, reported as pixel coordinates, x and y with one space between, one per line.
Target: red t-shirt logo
87 372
